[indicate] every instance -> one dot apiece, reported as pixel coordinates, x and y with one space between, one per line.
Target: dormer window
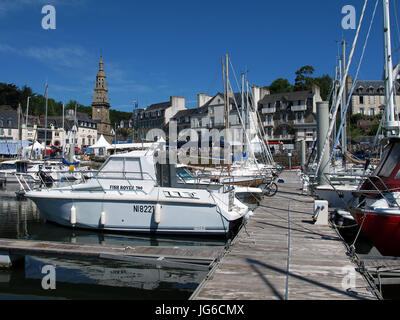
370 89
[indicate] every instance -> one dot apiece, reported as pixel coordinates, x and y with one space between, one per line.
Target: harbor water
89 278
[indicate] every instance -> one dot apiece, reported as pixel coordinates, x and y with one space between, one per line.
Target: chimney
202 99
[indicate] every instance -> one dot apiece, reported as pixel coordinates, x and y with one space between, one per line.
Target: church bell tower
101 105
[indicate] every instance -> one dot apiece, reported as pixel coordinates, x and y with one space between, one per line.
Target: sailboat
246 171
378 209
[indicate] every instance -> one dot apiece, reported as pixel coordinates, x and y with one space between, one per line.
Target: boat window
163 172
8 166
113 168
133 169
397 175
184 174
391 162
21 167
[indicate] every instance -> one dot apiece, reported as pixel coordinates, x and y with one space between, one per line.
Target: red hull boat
378 212
383 229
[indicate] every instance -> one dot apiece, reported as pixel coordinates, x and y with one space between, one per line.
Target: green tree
325 84
303 80
280 85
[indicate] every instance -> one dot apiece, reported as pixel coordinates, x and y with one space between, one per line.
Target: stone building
157 116
290 117
8 123
210 113
101 104
369 97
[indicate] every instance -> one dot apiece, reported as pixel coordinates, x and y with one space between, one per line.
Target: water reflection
98 279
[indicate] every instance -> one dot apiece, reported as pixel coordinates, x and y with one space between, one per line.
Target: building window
372 100
1 123
362 111
9 132
372 111
284 133
361 99
9 123
382 99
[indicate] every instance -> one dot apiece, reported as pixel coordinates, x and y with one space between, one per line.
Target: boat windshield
8 166
184 174
390 160
121 168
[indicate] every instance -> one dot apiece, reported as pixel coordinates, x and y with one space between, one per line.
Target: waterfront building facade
287 118
369 97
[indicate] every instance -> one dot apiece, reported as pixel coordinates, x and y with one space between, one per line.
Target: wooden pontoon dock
281 255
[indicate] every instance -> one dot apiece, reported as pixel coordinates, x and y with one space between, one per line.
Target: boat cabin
142 165
386 177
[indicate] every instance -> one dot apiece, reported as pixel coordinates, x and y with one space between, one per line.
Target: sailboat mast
45 123
227 92
243 123
344 97
390 124
27 113
247 118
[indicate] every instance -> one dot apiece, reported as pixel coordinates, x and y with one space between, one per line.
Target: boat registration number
142 208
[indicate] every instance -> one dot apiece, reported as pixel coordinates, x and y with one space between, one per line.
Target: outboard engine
45 178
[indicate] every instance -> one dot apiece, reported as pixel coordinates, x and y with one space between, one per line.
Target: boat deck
282 255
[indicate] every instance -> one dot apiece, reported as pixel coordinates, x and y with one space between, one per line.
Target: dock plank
281 254
200 254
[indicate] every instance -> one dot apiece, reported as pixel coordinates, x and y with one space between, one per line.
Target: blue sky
154 49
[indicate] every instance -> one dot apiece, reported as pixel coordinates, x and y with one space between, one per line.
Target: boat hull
382 228
340 198
135 216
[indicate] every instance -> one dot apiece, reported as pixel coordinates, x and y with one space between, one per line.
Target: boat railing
381 190
128 176
25 186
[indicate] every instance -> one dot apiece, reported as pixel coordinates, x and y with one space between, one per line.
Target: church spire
101 88
101 64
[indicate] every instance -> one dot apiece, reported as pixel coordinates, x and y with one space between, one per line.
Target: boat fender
73 216
103 218
157 213
248 215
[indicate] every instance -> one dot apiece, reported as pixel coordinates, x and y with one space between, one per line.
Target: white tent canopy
33 151
35 146
101 143
100 147
256 145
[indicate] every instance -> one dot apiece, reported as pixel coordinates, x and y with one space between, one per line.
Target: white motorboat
133 193
338 196
186 175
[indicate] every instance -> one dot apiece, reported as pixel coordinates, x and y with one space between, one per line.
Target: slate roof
8 119
371 88
159 106
287 96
